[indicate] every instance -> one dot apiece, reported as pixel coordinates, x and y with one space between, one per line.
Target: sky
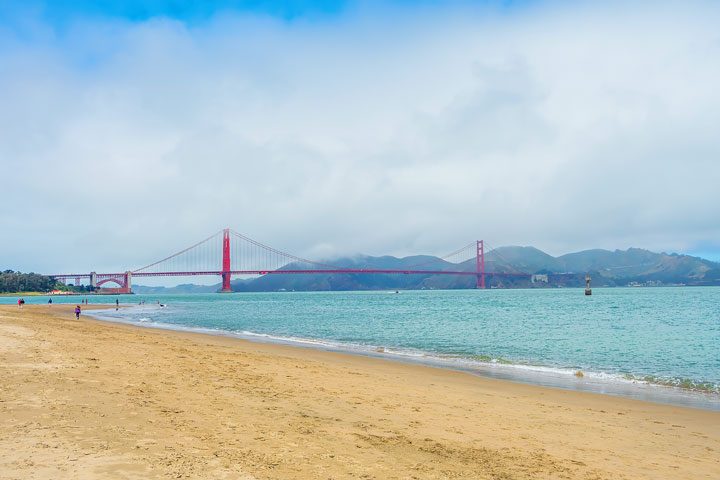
130 130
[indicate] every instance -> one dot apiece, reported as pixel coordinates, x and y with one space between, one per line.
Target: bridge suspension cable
196 255
227 253
277 258
461 255
497 254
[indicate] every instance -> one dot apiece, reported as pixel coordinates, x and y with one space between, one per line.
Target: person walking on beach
77 312
117 304
49 302
21 302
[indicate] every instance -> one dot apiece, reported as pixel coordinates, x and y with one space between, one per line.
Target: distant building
649 283
539 278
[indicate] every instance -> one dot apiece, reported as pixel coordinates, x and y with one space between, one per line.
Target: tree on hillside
12 282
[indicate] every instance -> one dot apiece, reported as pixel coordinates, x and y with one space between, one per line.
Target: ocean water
659 344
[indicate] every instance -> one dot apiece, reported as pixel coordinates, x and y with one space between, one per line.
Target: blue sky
333 128
188 11
193 11
60 13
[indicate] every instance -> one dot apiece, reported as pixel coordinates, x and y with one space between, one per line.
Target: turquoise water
652 343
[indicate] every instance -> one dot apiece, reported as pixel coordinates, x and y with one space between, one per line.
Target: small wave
676 382
471 362
494 366
490 359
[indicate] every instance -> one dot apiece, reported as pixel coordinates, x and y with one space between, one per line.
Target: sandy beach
87 399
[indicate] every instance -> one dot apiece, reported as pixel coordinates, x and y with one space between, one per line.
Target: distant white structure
539 278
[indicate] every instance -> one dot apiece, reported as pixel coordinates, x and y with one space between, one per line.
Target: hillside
633 266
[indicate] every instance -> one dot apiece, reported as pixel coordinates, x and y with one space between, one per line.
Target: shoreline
532 375
95 399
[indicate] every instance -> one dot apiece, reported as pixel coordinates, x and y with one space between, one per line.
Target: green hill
633 266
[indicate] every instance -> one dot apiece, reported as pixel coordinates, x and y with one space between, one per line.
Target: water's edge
544 376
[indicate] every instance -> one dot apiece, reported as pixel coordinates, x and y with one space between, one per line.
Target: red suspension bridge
227 253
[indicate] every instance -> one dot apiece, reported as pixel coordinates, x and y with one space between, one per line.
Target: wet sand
88 399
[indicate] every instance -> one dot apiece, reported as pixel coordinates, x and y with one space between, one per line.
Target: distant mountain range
635 267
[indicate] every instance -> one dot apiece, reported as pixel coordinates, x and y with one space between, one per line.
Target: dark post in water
588 290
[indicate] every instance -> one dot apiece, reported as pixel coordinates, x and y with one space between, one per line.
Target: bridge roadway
124 280
271 272
181 264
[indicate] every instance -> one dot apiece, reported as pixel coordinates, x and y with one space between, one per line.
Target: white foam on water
549 376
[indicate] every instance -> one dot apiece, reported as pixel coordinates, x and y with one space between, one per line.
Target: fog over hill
634 266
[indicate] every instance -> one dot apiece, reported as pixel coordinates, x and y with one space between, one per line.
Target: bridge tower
226 262
127 280
480 264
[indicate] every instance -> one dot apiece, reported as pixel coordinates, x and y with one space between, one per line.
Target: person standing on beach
117 304
77 312
49 302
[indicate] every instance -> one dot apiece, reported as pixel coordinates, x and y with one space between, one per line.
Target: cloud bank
380 130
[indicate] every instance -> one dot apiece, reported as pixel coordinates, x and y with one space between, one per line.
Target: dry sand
86 399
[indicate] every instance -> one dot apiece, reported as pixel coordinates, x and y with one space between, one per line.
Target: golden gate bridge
227 253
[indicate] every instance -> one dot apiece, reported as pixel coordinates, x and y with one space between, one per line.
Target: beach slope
87 399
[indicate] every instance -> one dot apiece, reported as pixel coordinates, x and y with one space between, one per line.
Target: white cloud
561 127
